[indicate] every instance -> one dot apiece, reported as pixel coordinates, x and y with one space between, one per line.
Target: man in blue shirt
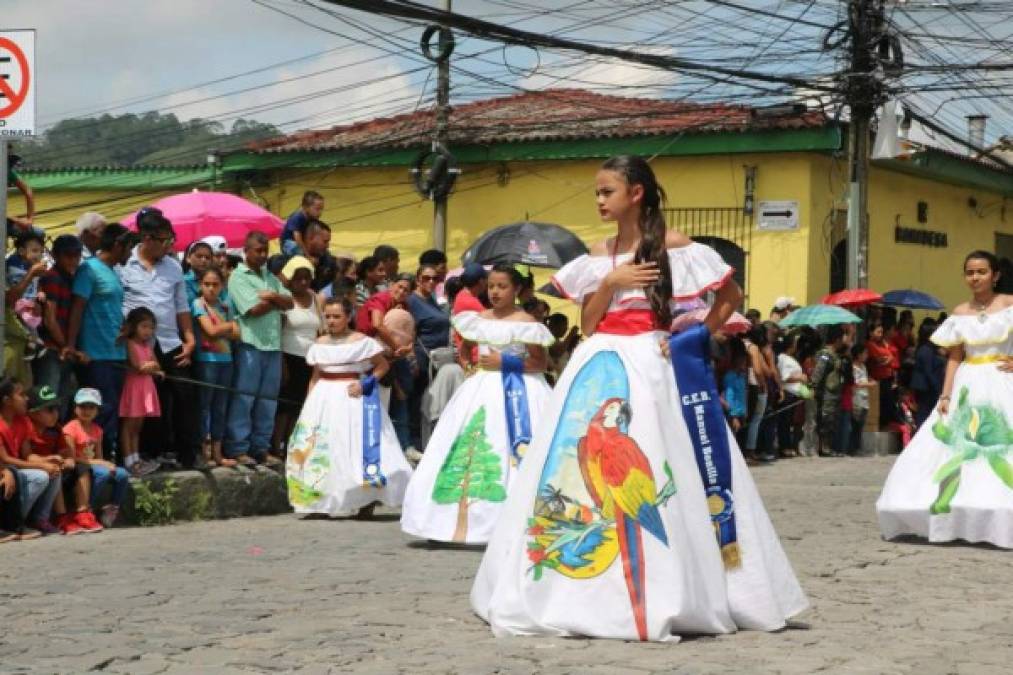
152 278
292 242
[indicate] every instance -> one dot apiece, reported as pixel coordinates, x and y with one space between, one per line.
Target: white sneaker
413 455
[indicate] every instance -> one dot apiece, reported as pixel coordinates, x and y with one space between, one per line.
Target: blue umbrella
912 299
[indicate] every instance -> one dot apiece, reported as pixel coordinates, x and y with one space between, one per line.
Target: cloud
613 76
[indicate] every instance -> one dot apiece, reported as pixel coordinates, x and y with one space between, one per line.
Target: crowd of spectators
807 391
123 358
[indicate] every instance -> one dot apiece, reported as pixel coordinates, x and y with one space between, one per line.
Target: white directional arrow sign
777 215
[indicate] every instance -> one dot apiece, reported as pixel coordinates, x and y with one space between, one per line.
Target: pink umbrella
195 215
736 323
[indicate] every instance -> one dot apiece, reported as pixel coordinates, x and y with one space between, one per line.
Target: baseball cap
41 397
784 302
217 243
296 263
473 272
87 395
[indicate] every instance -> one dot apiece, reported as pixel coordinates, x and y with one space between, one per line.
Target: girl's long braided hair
636 171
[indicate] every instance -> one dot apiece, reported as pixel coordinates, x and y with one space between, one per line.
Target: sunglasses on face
428 277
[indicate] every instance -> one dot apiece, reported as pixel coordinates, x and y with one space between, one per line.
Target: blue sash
515 394
372 426
705 420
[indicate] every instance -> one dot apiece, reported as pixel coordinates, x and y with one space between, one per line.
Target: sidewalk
177 496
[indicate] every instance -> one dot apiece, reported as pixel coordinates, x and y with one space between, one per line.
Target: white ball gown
325 470
459 488
954 480
607 531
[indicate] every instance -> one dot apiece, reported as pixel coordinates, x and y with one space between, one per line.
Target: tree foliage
130 139
472 470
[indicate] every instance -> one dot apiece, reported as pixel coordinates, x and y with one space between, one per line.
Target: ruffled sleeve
697 269
323 354
475 328
578 278
948 334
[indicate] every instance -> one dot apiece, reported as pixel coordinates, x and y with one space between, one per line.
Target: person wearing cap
54 368
49 441
38 478
300 328
782 308
259 299
219 248
89 227
153 278
84 437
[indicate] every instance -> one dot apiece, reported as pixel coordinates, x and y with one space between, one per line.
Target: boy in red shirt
49 441
84 436
38 477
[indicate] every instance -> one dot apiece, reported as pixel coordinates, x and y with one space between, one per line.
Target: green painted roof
127 179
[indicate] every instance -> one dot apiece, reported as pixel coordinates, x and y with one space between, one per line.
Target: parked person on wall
85 438
139 399
311 208
96 314
152 278
23 309
259 299
300 328
41 477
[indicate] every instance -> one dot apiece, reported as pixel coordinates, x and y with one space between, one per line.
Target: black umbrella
534 244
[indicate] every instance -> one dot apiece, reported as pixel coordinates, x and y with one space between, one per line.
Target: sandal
245 460
227 462
27 534
6 536
271 460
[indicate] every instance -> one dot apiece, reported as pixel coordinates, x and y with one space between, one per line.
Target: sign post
17 120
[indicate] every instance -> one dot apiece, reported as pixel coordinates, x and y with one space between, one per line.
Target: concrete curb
175 496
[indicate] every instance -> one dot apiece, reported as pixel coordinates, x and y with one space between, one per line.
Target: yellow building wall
57 210
370 206
893 200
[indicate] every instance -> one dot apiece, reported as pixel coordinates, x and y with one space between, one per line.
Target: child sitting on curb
85 437
39 478
49 441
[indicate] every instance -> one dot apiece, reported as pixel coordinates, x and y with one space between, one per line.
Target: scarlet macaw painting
598 492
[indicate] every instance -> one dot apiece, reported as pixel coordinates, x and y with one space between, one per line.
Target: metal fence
728 230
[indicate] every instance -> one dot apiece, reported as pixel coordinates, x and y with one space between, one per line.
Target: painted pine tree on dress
471 472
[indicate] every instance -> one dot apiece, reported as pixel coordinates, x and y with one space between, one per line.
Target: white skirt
554 565
948 484
324 464
470 443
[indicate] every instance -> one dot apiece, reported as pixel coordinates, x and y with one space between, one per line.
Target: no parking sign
17 83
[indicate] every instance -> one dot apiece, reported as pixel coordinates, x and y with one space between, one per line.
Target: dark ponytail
636 171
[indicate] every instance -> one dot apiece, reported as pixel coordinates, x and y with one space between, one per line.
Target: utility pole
872 53
440 138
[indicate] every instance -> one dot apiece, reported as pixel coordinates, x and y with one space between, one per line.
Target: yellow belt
984 359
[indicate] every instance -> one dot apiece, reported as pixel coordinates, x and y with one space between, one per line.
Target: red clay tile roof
553 114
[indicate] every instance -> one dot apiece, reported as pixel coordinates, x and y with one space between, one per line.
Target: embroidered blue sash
515 394
372 426
708 430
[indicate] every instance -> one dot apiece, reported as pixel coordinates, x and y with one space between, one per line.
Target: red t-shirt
466 302
14 435
47 442
382 302
877 354
85 442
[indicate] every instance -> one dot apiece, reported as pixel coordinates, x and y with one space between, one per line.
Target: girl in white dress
954 480
461 484
343 456
609 530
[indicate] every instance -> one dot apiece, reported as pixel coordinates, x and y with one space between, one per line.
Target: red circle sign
14 99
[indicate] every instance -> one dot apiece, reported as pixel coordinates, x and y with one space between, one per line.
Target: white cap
784 302
216 242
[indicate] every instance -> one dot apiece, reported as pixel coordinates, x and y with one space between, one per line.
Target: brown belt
339 376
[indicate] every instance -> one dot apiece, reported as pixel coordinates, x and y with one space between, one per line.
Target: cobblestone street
279 594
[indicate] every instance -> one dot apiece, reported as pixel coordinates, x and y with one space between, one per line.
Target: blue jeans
251 417
49 370
100 475
214 403
753 430
107 377
399 415
40 491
